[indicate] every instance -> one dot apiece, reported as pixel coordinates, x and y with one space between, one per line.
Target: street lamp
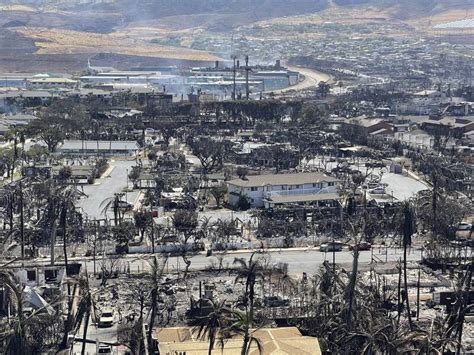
126 188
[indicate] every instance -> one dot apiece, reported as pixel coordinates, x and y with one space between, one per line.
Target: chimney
238 64
217 64
278 64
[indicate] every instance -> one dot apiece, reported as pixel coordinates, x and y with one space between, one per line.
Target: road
94 333
105 188
299 261
311 80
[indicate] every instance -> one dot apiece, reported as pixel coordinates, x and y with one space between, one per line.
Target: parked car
331 246
469 317
124 205
464 226
276 301
106 318
105 349
375 164
361 246
377 191
458 243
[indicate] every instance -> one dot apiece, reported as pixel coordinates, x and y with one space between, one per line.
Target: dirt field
56 41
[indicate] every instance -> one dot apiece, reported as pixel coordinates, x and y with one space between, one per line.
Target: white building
110 148
282 189
51 83
416 139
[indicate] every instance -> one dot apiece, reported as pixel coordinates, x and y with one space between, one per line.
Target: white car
106 318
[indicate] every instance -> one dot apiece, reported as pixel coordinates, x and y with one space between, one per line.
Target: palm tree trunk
399 301
187 262
151 324
84 333
435 207
53 241
22 229
211 344
10 207
152 235
352 286
410 322
68 322
245 345
64 225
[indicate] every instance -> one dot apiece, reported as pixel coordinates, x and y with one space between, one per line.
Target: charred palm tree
242 325
215 326
409 227
85 310
16 334
250 272
155 276
114 204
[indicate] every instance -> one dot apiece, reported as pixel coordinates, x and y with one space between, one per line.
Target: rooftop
99 145
282 179
274 341
456 122
419 132
304 198
52 80
365 122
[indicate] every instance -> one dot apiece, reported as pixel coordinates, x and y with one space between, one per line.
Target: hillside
132 10
54 33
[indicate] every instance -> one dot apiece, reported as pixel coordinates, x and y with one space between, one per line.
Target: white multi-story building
282 189
416 139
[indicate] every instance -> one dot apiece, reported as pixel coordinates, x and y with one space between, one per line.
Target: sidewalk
108 172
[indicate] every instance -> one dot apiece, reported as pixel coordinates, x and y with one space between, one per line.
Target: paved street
105 188
94 333
311 80
299 261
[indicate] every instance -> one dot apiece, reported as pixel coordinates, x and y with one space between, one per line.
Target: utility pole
22 228
152 233
97 224
418 297
247 69
234 73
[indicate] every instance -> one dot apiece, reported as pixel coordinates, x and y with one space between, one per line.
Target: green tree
123 234
219 193
185 222
241 172
243 203
56 120
210 153
143 221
